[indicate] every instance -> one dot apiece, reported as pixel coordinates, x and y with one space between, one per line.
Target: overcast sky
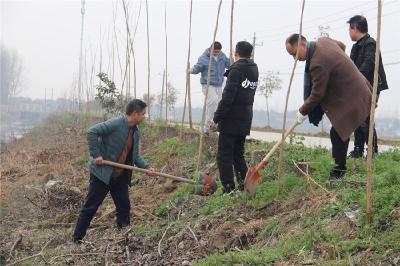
46 34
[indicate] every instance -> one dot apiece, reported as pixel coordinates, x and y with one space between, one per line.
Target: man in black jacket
234 116
363 56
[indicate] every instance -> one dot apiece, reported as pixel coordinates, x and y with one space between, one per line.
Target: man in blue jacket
117 140
219 62
234 116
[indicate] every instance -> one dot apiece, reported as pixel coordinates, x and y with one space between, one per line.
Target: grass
180 196
325 235
379 240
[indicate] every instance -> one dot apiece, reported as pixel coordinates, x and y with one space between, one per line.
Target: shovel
253 177
205 186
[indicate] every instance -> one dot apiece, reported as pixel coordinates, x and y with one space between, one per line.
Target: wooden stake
372 117
207 87
286 103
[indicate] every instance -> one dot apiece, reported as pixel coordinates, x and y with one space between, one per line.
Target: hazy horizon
47 36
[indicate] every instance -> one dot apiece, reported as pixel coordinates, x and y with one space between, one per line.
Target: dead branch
311 179
194 235
19 239
159 243
33 256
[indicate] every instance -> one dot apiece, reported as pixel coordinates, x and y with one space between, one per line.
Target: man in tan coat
335 88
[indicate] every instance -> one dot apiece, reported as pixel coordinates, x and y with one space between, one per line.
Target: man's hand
213 125
189 71
152 170
98 160
300 117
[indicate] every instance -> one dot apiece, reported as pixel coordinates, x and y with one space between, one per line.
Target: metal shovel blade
252 179
206 185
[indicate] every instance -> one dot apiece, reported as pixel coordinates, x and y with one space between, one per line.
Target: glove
300 118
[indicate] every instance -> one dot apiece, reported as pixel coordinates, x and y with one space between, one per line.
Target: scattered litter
53 182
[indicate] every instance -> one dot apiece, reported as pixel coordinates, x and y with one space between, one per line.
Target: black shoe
356 153
337 173
77 240
228 189
122 226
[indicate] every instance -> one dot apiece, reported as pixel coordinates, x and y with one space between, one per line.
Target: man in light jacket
116 140
219 62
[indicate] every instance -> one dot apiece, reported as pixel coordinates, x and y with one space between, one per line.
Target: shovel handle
129 167
275 147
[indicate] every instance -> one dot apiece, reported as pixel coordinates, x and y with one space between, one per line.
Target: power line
283 35
310 20
392 63
322 17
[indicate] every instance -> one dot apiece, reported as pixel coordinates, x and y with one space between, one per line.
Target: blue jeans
119 190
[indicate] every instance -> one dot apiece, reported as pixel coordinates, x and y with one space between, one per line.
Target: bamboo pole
187 91
372 116
148 59
231 33
286 104
206 94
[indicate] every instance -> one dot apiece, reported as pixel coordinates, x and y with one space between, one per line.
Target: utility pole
80 56
254 45
162 94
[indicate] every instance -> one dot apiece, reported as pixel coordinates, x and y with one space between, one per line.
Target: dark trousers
97 191
361 137
339 149
231 153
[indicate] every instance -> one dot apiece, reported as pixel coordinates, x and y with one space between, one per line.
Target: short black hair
244 49
294 39
135 105
217 46
359 22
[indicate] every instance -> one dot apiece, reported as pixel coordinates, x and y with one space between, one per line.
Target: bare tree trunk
116 42
134 75
187 91
148 59
286 104
372 117
166 63
206 94
231 33
131 40
268 120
